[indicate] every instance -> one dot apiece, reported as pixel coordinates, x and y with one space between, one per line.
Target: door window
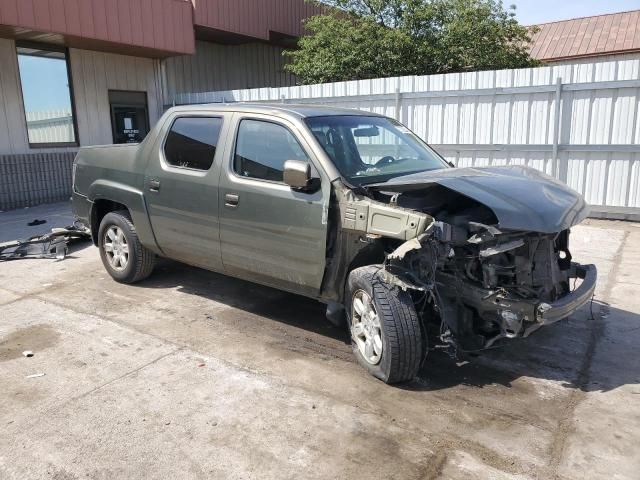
192 142
262 148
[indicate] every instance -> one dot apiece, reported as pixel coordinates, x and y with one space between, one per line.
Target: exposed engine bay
480 280
488 286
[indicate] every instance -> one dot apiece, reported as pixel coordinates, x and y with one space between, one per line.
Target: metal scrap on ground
50 245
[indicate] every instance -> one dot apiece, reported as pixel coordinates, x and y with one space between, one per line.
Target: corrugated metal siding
255 18
218 67
508 117
13 132
33 179
165 25
94 74
50 126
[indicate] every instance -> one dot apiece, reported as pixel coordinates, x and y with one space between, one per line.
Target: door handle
231 200
154 185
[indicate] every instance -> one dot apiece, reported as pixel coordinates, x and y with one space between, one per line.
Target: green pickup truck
346 207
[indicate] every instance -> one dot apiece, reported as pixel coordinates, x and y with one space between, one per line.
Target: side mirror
297 174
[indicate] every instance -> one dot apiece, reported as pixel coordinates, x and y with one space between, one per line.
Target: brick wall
34 178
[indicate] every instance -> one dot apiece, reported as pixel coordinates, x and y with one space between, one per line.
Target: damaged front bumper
519 317
547 313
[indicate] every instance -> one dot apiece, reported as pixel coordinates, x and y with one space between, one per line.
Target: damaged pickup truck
349 208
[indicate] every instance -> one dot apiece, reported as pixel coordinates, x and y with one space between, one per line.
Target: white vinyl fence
50 126
578 122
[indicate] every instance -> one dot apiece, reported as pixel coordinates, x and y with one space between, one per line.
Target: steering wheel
384 161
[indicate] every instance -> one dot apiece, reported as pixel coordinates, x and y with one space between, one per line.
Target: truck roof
278 109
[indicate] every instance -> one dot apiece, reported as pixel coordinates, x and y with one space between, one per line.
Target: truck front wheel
385 328
122 254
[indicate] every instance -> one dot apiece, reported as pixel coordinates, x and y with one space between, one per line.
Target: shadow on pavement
287 308
562 352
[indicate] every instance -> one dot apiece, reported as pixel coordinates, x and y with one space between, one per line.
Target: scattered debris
49 245
202 365
36 222
27 353
35 375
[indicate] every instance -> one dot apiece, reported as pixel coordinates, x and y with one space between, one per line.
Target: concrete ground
14 225
194 375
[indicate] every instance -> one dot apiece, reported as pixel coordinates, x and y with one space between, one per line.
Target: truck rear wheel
122 254
385 329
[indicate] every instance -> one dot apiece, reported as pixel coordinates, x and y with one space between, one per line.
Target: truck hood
521 198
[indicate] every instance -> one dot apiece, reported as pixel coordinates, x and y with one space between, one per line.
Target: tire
139 261
399 326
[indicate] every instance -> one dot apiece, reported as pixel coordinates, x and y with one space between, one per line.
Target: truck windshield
372 149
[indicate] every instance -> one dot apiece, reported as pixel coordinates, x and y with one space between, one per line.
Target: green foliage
382 38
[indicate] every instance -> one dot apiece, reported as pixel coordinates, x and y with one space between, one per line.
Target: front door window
262 148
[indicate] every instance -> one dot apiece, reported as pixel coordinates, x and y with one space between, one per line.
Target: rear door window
192 142
262 148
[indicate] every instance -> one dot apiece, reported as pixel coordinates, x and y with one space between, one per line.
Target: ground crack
596 330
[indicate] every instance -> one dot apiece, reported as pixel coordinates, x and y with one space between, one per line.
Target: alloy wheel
365 327
116 248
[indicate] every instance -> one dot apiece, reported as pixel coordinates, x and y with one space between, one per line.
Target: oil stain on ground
34 337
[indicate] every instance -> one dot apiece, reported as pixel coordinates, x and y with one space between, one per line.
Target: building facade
89 72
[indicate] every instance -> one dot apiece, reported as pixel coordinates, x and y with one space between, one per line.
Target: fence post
557 129
398 105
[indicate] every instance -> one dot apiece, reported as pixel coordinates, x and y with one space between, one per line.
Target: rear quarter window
192 141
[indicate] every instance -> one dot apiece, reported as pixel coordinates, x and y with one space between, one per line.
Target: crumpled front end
486 284
486 251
